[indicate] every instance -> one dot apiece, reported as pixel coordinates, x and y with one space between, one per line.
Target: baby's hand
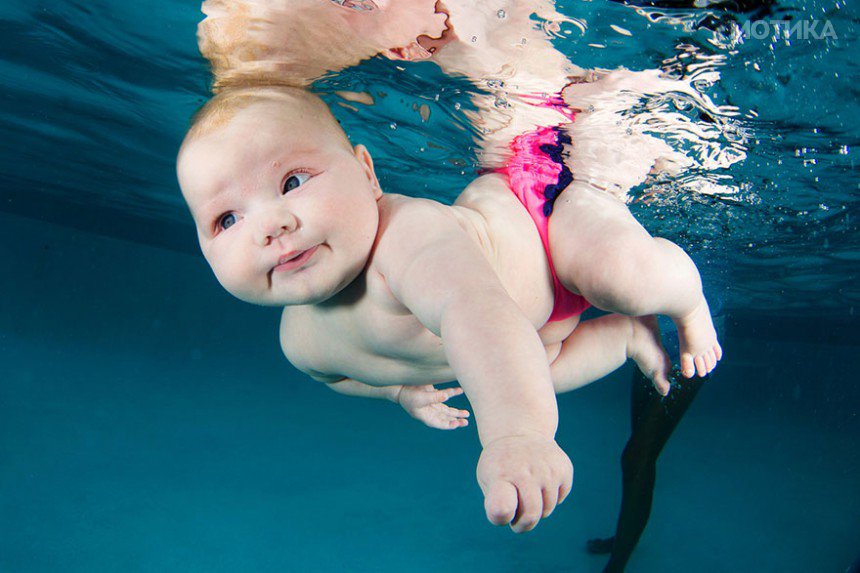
523 478
425 403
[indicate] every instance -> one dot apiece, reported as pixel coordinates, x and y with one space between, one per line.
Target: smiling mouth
294 260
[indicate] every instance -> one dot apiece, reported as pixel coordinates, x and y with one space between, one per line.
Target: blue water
149 423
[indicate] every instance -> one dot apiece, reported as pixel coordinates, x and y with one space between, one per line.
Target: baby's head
285 207
297 41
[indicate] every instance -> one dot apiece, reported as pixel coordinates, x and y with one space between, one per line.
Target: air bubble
501 14
474 39
457 106
392 125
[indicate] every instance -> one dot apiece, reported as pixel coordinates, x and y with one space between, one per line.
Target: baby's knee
615 277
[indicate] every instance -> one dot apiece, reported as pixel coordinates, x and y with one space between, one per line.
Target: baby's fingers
500 502
453 412
444 423
530 508
443 418
437 396
443 395
452 417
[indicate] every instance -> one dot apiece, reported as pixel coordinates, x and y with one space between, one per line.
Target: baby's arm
437 271
350 387
425 403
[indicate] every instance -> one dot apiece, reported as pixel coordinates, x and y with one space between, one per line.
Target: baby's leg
600 251
600 345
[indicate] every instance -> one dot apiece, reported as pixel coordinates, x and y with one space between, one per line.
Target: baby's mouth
294 259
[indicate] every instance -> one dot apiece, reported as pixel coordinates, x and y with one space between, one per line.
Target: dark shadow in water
653 418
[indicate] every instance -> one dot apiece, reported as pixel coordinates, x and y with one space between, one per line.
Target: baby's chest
360 343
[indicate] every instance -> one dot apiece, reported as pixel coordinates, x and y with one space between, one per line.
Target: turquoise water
149 423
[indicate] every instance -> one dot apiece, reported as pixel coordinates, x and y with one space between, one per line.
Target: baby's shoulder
408 222
485 208
395 211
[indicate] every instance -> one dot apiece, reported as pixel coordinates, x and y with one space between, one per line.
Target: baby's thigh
593 238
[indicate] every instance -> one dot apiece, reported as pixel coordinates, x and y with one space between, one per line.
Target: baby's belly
406 352
431 368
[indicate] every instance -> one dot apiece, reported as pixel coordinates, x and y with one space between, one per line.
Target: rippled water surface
97 95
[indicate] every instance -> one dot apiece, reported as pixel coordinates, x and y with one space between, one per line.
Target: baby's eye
295 180
226 221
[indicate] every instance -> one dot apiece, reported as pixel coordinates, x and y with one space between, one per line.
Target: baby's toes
661 383
688 369
700 365
710 360
718 351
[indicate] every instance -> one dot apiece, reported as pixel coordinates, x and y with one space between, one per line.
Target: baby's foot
697 336
645 348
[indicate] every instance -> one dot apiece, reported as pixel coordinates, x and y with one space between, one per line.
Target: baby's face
286 211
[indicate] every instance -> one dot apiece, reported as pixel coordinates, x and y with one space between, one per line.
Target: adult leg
653 419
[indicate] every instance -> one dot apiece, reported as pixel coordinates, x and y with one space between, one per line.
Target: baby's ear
366 161
412 52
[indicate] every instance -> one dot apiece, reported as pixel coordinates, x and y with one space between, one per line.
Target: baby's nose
273 225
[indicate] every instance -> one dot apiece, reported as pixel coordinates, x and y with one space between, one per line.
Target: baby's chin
276 297
281 300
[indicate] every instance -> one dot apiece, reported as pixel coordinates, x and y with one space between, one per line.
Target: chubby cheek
233 272
357 223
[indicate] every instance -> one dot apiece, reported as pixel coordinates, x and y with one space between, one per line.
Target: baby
384 294
262 42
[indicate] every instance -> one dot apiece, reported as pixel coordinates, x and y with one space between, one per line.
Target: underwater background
148 421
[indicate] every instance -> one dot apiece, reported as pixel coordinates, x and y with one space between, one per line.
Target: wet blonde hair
291 101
